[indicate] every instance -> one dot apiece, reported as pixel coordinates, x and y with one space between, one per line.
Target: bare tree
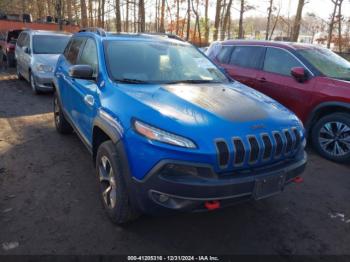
206 21
83 10
188 19
340 20
297 20
217 19
332 22
244 8
226 19
142 20
269 20
118 22
162 14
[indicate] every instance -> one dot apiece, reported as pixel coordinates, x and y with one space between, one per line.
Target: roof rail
96 30
172 36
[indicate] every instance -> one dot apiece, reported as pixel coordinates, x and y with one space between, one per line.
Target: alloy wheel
107 182
334 138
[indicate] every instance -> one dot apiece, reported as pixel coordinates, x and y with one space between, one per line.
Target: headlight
44 68
157 134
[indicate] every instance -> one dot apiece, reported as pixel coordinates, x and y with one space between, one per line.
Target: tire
113 189
19 76
33 85
61 123
331 137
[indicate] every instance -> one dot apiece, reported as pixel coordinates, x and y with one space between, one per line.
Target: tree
226 19
297 20
206 22
188 20
340 19
83 10
268 20
142 20
217 19
118 23
244 8
162 14
332 22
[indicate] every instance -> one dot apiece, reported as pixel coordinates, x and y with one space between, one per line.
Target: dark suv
310 80
167 130
7 45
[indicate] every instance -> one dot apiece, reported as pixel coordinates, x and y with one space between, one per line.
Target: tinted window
247 56
49 44
224 54
89 55
74 49
280 62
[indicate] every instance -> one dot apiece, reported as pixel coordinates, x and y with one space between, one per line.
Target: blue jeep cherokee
167 130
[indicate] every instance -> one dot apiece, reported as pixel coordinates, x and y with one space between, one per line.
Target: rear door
276 81
244 64
19 51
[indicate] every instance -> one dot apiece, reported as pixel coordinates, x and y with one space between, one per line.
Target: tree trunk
162 14
142 15
177 16
217 20
297 21
84 20
206 22
240 24
69 10
91 18
118 23
331 24
268 20
339 25
226 19
188 20
126 25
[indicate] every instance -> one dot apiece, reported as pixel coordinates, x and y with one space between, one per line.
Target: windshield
49 44
327 62
159 62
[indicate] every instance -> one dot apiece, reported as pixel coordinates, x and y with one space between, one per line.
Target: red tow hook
212 205
298 179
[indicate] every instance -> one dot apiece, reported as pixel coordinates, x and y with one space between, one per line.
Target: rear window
247 56
49 44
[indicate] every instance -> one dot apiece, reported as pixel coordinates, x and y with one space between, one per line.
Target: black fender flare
321 106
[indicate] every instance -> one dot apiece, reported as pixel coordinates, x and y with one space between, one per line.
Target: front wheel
113 188
33 84
331 137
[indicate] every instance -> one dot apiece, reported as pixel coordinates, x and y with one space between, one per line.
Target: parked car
167 130
37 53
7 45
310 80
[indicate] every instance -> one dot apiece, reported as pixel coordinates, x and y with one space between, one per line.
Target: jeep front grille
255 149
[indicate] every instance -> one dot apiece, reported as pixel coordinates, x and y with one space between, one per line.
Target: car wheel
61 123
331 137
33 84
19 76
113 190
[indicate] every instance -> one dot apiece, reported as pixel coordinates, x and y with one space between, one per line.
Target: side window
247 56
224 54
89 55
66 50
21 39
74 49
280 62
26 41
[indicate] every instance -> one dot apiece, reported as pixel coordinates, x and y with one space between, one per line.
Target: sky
322 8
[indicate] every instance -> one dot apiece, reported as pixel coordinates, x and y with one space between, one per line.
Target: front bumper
161 193
44 81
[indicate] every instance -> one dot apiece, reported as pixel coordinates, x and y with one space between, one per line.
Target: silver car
36 53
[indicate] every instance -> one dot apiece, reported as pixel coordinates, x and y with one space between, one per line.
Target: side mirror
299 74
81 72
26 49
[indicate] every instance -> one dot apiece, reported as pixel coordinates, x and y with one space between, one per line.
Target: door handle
89 100
262 79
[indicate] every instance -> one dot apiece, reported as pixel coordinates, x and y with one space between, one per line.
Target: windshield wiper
193 81
131 81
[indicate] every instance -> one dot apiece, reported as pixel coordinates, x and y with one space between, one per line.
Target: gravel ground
49 200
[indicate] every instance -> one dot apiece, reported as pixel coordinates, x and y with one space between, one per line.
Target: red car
7 46
311 81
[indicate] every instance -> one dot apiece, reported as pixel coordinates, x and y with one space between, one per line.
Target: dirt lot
49 202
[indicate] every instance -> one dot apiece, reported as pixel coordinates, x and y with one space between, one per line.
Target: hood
46 59
210 108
